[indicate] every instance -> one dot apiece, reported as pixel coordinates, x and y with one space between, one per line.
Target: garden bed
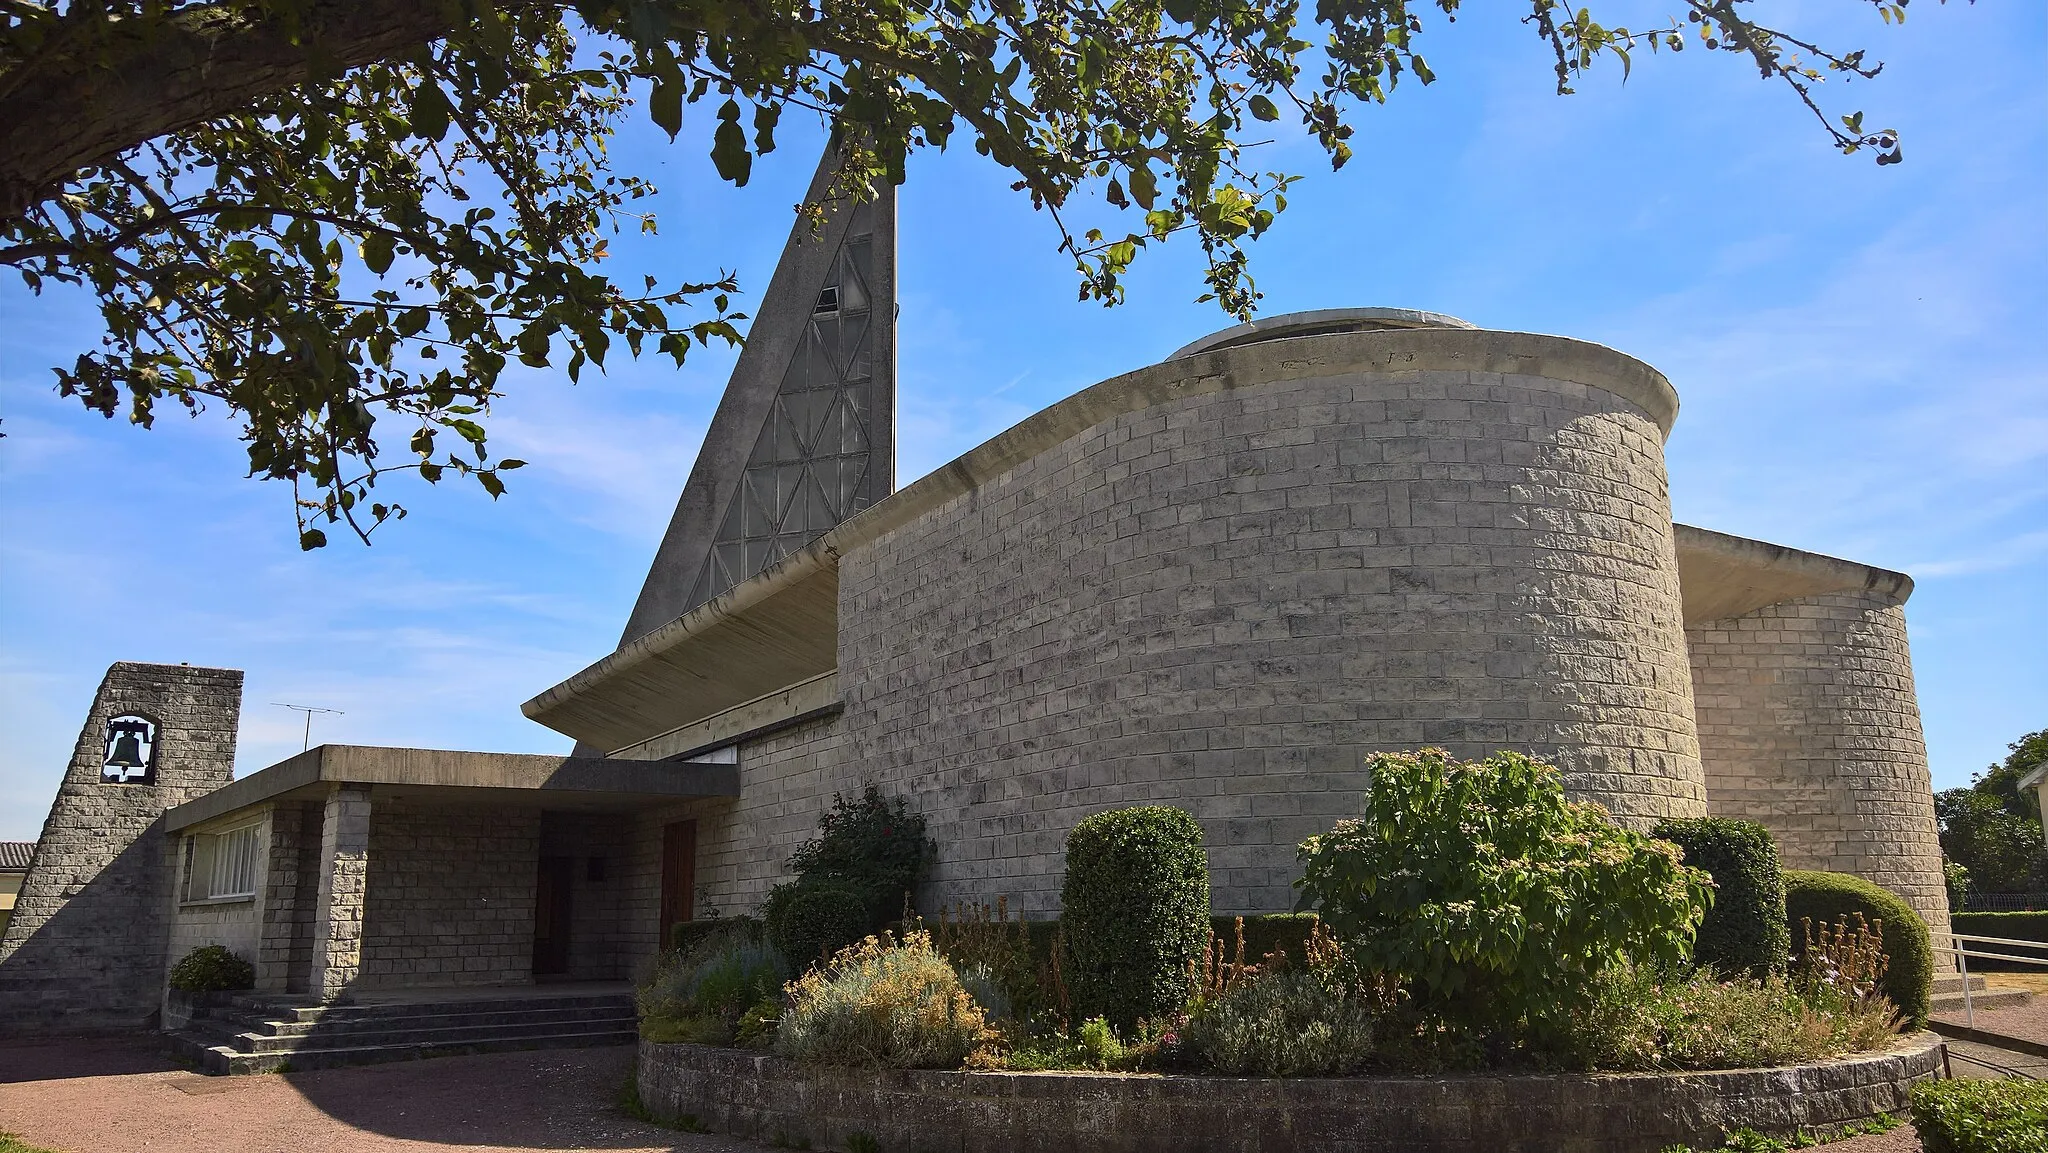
929 1111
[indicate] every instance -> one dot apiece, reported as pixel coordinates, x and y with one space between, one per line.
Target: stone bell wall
86 946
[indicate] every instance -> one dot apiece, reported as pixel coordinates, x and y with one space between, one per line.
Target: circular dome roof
1318 322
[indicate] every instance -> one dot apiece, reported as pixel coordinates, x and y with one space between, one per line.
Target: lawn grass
9 1143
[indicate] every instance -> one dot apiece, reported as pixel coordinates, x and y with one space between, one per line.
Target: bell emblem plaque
130 750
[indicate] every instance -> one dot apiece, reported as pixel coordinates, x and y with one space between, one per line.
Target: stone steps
251 1035
2002 999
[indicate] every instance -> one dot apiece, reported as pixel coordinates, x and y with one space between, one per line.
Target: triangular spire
805 435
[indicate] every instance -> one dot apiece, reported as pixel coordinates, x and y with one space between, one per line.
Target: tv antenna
309 710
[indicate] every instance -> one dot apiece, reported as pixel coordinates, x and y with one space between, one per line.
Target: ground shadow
63 1058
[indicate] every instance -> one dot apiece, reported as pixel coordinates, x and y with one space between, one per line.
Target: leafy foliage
348 224
1268 934
1135 910
1496 899
883 1002
869 855
875 846
1992 829
1824 899
212 969
1982 1116
1745 930
811 920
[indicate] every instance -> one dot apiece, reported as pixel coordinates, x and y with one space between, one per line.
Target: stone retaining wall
747 1094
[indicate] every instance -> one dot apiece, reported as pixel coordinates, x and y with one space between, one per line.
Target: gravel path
117 1096
2029 1022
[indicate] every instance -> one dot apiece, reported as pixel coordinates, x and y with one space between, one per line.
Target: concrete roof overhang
430 775
1723 576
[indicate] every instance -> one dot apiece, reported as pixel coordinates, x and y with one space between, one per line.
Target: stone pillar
85 948
343 891
284 888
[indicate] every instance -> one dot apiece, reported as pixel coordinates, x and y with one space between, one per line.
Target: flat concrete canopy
587 783
1723 576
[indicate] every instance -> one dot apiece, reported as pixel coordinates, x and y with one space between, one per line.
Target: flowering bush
1636 1020
1497 900
884 1002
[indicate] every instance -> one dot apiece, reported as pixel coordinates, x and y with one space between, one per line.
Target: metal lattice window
809 469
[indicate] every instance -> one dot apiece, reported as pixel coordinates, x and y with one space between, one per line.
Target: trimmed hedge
2012 926
1135 909
1267 933
1981 1116
1745 930
808 921
1826 898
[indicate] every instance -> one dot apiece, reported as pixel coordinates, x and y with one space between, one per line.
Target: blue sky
1859 351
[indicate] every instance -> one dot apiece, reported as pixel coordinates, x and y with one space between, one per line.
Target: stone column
343 890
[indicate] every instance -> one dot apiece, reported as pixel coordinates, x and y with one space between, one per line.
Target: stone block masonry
767 1098
1808 723
1226 601
86 946
451 894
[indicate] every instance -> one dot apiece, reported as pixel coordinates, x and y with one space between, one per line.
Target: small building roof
502 778
14 855
2033 776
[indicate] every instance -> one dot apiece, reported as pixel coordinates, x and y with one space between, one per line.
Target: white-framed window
221 866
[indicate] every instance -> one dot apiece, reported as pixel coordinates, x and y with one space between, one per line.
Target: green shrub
2011 926
1495 897
1982 1116
1636 1020
874 846
212 969
1268 933
1830 898
1303 1020
699 996
1745 929
810 920
883 1002
712 933
1135 911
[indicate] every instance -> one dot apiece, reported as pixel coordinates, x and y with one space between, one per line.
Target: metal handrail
1963 956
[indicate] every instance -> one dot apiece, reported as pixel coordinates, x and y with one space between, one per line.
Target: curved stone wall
1808 723
730 1091
1298 553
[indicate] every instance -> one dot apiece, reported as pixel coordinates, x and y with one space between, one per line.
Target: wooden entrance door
678 877
551 916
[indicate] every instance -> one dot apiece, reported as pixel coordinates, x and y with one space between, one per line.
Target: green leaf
430 111
311 539
376 251
1262 108
729 146
665 106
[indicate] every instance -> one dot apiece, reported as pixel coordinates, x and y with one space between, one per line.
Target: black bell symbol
127 752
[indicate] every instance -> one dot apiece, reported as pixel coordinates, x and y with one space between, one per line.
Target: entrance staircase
258 1034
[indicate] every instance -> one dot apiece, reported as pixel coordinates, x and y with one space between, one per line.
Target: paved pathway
119 1096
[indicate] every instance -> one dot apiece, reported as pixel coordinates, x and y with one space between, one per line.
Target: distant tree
323 214
1993 827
